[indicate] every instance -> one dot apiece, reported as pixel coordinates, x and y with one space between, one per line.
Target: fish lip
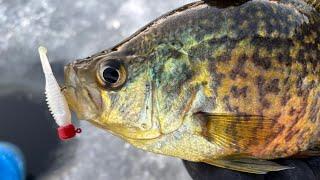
73 92
82 110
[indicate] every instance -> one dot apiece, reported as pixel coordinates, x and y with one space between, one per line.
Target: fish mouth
82 100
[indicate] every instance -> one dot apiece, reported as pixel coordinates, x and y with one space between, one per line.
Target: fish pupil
111 75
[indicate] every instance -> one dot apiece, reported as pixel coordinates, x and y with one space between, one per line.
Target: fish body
230 84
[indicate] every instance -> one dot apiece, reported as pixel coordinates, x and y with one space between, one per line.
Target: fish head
113 91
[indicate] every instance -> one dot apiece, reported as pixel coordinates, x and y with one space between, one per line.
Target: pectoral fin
238 131
255 166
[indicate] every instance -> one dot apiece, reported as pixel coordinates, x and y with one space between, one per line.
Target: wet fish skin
199 63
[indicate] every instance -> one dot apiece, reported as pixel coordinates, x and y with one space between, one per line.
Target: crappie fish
229 83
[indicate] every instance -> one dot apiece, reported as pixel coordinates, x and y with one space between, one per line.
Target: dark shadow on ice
27 123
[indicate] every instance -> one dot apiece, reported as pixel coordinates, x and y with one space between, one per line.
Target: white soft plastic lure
56 101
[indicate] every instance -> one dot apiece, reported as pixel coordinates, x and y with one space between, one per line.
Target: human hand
304 169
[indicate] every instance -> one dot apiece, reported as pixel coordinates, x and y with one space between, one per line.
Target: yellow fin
238 131
255 166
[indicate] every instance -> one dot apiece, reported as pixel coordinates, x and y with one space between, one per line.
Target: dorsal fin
225 3
314 3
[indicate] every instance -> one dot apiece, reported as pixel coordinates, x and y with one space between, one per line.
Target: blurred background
70 30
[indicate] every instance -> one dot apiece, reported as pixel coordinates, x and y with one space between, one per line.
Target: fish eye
112 74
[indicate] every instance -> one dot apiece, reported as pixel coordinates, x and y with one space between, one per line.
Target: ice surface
70 30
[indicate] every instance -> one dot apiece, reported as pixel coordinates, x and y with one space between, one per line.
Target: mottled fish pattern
213 81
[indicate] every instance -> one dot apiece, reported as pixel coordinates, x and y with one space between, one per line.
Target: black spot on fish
224 58
292 111
291 134
216 76
265 104
312 85
285 58
268 43
176 54
301 55
239 70
275 148
199 52
239 92
216 41
226 42
260 81
301 138
315 108
263 62
273 87
299 86
227 103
